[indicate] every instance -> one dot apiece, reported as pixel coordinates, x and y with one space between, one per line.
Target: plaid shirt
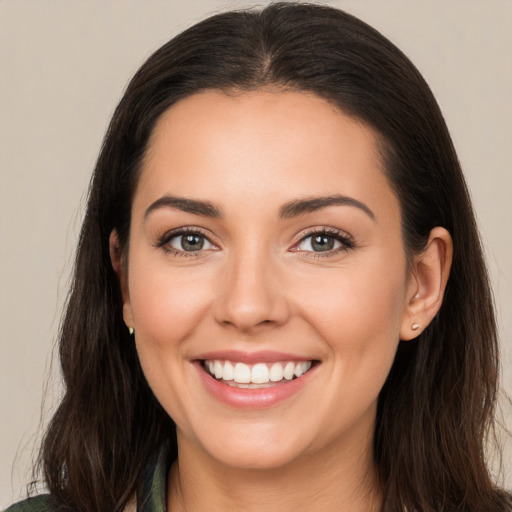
150 498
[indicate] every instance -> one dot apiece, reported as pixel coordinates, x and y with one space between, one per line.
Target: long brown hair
437 405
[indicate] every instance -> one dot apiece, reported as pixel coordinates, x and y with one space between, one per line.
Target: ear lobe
121 271
429 277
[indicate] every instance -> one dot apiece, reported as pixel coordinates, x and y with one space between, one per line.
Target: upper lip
261 356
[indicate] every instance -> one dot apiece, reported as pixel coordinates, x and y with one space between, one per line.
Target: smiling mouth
256 376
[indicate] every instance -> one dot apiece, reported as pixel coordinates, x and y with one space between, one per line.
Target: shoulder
42 503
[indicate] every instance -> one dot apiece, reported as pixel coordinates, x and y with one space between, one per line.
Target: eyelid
162 242
346 240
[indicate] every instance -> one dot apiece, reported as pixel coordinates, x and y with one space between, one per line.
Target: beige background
63 67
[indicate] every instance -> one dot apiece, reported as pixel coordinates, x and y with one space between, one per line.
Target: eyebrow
308 205
289 210
203 208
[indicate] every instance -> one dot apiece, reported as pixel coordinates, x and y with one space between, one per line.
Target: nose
250 297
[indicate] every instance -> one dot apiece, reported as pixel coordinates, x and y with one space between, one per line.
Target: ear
120 268
427 283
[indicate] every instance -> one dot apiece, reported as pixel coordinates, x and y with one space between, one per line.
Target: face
266 277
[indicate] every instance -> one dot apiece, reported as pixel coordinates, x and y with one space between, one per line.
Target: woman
279 298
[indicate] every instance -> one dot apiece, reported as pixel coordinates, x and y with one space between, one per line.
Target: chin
266 447
252 458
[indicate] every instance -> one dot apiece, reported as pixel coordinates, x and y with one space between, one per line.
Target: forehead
247 145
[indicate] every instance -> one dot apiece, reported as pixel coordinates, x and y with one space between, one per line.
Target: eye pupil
322 243
192 242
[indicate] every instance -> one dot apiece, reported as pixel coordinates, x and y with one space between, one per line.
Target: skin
259 285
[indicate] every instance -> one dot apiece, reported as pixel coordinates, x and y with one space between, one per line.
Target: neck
336 478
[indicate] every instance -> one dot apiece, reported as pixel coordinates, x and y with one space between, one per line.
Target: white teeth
218 369
302 368
229 371
260 373
242 373
288 371
276 372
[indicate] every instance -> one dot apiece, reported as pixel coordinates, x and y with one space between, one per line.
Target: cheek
354 301
358 315
166 304
358 319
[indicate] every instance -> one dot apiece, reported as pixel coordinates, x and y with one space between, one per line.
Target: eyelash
347 243
164 241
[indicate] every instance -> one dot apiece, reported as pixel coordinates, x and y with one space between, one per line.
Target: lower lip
243 398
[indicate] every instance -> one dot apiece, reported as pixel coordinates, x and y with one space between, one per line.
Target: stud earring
131 330
415 327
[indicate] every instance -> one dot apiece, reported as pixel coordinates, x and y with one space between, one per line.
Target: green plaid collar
153 489
151 496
